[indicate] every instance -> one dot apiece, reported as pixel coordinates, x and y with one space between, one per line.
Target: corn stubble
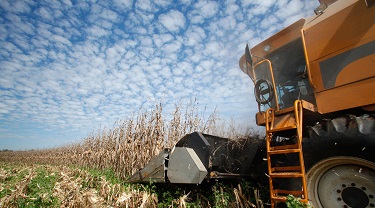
73 188
124 149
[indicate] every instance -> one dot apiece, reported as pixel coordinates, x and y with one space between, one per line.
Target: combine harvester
315 88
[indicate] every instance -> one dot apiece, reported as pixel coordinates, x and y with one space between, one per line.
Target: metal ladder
292 127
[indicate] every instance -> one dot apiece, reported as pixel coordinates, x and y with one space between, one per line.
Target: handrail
272 77
298 110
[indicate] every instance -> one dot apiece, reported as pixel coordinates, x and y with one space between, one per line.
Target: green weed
292 202
39 191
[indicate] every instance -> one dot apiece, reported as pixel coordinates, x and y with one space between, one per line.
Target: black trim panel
331 67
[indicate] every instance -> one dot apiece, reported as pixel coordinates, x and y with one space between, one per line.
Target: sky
68 68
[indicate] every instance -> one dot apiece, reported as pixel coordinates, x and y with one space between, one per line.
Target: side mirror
370 3
249 59
246 63
320 9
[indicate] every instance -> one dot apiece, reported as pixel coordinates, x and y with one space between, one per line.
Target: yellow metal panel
356 71
340 50
335 30
349 66
353 95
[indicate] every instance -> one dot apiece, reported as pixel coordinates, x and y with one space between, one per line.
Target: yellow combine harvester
315 88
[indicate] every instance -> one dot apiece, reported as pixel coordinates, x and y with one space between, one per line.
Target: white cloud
45 13
162 3
109 15
123 4
16 6
194 36
145 5
96 31
60 39
172 47
67 3
173 20
206 9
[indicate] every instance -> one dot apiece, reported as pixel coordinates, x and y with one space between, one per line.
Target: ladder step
279 198
283 199
290 146
286 168
284 151
298 193
286 128
286 175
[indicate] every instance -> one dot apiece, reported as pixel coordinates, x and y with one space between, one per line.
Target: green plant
10 177
292 202
221 197
39 191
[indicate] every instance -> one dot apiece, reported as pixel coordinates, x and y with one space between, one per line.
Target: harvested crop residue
24 185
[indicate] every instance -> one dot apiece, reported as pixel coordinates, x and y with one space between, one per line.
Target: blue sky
70 67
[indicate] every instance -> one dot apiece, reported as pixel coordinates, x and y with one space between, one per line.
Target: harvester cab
280 75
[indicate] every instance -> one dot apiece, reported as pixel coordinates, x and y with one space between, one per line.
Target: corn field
124 148
129 144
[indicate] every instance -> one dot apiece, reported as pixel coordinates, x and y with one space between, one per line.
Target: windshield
288 75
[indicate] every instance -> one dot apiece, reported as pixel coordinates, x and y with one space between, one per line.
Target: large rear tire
342 182
340 162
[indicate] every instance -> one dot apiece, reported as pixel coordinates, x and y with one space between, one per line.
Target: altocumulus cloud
173 20
69 67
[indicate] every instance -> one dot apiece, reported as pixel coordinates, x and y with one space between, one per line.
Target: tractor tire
339 156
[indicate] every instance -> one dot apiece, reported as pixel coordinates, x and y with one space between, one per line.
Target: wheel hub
354 197
342 183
